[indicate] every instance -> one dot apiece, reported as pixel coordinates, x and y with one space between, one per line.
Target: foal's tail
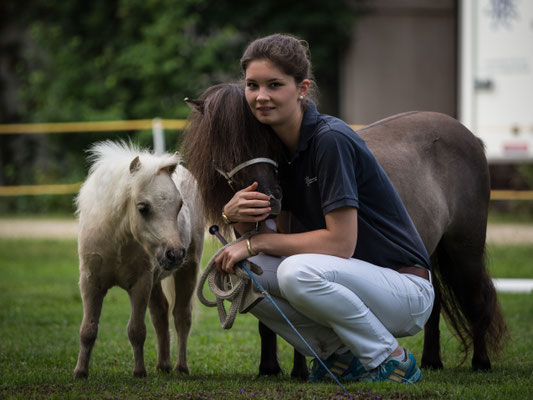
470 304
169 290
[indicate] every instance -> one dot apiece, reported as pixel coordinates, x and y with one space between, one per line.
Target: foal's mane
222 133
107 189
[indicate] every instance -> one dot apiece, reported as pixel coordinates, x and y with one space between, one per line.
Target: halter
230 174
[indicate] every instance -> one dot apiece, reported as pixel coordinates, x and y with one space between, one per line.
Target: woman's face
273 96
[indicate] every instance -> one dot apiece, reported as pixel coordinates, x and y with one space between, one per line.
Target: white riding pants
336 302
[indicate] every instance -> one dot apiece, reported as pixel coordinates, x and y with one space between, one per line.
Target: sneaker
344 366
395 371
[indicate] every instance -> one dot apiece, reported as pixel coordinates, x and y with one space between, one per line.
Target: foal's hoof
164 367
78 374
182 369
139 374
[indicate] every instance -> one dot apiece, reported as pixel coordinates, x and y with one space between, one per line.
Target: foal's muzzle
170 258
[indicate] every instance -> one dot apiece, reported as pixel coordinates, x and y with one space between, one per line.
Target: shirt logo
308 180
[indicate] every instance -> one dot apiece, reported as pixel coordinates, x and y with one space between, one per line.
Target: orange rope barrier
24 190
73 188
141 124
511 195
99 126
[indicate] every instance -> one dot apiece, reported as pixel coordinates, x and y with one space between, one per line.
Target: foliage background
131 59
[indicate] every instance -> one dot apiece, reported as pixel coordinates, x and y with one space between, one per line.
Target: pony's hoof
139 374
433 365
271 370
300 375
481 365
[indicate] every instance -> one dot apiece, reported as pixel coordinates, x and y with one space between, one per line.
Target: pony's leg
185 284
299 366
92 297
139 295
269 364
159 314
476 310
471 290
431 358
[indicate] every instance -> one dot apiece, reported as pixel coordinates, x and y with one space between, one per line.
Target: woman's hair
287 52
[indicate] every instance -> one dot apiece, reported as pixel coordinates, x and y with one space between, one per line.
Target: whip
213 230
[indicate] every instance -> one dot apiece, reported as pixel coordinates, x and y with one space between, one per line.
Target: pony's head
227 149
129 195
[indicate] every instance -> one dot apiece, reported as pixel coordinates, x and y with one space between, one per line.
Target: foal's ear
197 105
171 164
135 165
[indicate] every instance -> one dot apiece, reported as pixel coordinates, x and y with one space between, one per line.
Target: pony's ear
197 105
171 164
135 165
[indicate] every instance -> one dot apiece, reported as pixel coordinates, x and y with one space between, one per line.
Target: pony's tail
470 305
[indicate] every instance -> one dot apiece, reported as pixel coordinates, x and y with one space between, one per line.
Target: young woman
357 275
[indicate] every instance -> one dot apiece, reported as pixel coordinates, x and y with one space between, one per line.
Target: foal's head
153 210
222 138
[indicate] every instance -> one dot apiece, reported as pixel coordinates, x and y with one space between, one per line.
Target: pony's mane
222 133
107 189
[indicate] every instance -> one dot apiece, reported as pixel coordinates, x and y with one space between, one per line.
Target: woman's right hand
248 205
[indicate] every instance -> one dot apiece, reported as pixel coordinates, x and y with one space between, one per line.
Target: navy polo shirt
332 168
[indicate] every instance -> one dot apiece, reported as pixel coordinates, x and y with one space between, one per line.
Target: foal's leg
184 283
159 315
92 297
139 295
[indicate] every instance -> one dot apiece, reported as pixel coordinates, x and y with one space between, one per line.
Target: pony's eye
143 208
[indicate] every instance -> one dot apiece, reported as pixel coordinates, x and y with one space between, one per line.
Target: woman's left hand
231 255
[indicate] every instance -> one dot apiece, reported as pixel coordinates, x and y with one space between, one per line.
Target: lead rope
213 230
235 293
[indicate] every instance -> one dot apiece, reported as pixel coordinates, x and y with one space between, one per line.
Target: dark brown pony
440 171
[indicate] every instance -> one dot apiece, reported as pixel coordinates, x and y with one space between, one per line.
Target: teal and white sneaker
392 370
344 366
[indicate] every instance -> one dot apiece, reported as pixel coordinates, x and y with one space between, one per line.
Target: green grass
40 313
510 261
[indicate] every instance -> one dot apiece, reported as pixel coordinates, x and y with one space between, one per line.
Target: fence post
158 136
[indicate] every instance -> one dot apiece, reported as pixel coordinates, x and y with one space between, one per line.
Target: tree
136 59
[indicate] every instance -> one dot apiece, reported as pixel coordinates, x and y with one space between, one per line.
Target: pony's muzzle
275 202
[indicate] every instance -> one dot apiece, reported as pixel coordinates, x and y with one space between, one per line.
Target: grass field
40 313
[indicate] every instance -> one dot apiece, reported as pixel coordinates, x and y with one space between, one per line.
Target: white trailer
496 76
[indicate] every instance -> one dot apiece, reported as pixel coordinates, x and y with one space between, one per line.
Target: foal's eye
143 208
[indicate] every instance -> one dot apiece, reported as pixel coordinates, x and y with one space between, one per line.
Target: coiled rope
234 290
